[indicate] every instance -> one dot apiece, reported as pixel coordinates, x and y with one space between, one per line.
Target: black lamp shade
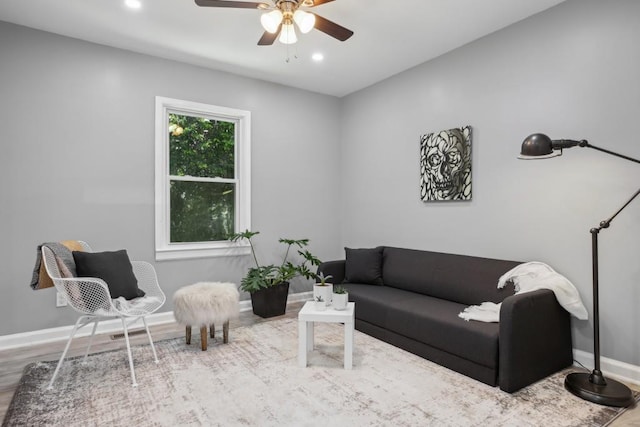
537 146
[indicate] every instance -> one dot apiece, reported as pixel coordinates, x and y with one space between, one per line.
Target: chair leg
212 330
153 347
203 337
225 332
188 335
126 338
64 353
93 332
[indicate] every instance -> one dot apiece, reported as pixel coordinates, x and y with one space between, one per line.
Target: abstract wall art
445 165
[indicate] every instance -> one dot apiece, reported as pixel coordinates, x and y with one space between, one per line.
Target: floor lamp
589 386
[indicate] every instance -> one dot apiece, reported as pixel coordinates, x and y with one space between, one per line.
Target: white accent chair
91 298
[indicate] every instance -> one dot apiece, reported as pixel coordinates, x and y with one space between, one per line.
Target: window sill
190 251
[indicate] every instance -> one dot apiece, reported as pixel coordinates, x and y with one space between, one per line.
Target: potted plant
322 288
320 303
268 285
340 298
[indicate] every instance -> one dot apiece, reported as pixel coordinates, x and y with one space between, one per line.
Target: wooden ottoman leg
212 330
188 335
225 332
203 337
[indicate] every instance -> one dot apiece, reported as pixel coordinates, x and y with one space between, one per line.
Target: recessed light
317 57
133 4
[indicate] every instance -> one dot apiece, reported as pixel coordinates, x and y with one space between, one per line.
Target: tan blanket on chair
40 278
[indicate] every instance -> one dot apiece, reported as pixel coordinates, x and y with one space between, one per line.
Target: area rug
255 381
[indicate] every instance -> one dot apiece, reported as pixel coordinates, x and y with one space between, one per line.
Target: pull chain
295 55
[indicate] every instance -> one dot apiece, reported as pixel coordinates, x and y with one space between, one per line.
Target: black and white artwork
445 165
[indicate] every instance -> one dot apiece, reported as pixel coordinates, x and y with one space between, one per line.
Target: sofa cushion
459 278
429 320
363 266
372 301
435 322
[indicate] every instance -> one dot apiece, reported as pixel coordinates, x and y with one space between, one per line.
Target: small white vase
340 301
325 291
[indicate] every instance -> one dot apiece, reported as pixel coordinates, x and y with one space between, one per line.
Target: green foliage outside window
201 147
201 210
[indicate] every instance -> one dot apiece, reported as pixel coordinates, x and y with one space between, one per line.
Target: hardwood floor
13 361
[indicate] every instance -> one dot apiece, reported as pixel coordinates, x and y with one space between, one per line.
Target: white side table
308 314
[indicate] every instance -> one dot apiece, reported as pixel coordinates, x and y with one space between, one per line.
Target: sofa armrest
333 268
535 339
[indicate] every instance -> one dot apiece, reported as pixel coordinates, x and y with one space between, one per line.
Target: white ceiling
390 36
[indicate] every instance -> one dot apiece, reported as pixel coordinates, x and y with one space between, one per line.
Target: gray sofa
412 298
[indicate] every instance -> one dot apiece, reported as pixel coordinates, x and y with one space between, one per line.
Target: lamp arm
559 144
586 144
607 222
596 376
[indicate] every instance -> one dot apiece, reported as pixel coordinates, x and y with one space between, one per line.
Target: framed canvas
445 165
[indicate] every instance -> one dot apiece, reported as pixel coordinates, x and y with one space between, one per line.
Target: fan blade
331 28
236 4
316 3
268 38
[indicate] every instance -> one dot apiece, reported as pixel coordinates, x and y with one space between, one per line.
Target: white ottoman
205 304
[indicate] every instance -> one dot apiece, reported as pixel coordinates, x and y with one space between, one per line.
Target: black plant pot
271 301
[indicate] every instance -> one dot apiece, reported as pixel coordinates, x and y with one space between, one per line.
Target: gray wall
570 72
77 162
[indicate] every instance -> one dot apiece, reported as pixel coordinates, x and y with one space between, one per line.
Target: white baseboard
615 369
42 336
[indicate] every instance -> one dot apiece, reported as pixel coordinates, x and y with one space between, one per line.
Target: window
202 179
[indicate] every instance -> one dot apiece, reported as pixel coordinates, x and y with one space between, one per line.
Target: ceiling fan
280 16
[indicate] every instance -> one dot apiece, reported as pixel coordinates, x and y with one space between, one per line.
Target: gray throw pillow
363 266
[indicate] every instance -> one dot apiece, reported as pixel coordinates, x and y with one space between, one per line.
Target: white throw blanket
528 277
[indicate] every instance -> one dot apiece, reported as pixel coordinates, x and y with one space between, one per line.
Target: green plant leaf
260 277
299 243
323 279
339 289
309 257
243 235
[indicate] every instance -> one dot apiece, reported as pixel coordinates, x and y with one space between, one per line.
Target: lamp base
594 388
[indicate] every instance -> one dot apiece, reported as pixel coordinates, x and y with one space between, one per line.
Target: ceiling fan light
306 21
288 34
133 4
271 21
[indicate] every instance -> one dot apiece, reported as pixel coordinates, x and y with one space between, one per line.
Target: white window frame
165 250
